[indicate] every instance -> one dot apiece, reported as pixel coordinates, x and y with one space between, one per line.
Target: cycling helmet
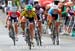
37 7
61 0
29 7
13 8
55 7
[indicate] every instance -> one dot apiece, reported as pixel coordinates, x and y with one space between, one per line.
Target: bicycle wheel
40 40
57 38
12 34
53 37
29 42
36 37
53 33
28 39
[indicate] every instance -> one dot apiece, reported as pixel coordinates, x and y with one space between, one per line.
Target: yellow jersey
26 14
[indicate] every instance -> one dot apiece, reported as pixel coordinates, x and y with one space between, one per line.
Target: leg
8 24
23 26
31 28
23 21
16 28
40 27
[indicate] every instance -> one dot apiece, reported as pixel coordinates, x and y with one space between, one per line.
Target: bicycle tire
37 40
57 39
53 38
40 43
29 42
13 35
57 42
28 39
38 37
14 41
53 33
40 40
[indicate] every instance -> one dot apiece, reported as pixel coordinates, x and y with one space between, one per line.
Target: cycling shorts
13 19
30 19
55 16
38 17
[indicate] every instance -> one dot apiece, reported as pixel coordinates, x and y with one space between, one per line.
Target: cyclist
39 12
13 14
29 14
53 15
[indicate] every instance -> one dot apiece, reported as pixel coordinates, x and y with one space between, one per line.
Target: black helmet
37 7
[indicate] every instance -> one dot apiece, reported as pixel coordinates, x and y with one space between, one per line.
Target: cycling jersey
50 12
39 13
29 16
14 14
54 15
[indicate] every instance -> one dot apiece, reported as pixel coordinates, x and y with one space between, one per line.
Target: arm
21 15
60 13
7 18
35 16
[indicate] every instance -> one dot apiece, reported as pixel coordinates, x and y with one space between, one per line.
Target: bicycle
37 35
28 40
12 33
55 34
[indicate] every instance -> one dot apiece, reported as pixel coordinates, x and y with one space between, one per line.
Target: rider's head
29 7
13 9
37 7
60 4
55 8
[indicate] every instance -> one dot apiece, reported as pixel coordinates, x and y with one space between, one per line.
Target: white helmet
13 8
54 7
61 0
